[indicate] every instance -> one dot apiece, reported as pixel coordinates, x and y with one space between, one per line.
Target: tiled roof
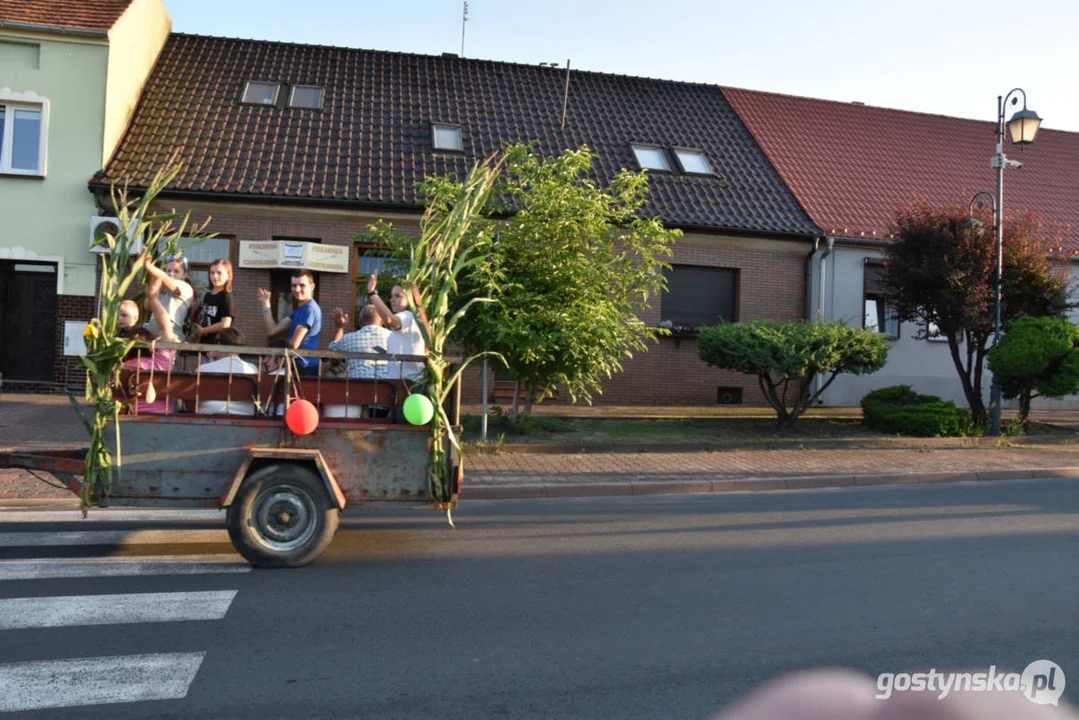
852 166
372 140
99 15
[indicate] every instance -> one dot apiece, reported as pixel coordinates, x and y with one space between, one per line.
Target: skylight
693 161
651 157
447 137
260 93
306 96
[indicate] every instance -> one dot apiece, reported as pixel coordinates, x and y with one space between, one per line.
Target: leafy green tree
572 266
1037 357
941 269
787 356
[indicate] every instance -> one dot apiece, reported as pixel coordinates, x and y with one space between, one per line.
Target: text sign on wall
288 254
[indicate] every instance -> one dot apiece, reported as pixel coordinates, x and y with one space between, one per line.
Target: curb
882 443
538 491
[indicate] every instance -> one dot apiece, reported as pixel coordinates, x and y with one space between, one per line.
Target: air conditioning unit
100 225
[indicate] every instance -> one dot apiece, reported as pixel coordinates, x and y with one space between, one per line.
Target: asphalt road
640 607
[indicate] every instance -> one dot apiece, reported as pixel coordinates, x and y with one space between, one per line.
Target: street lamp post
1022 128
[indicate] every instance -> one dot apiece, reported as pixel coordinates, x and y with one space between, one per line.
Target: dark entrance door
27 320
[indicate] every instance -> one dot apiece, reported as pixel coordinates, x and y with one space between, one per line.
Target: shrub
898 409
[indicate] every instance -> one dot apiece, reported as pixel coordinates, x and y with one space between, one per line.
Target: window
693 161
260 93
447 137
699 296
652 158
880 314
24 119
306 96
200 253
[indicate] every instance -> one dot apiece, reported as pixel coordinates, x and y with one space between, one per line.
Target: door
27 321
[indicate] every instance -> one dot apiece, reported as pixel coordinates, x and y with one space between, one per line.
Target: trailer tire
282 517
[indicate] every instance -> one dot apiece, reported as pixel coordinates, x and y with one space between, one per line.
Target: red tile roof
851 166
371 141
98 15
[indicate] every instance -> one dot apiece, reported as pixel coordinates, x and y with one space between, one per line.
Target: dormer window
306 96
447 137
260 93
693 161
651 157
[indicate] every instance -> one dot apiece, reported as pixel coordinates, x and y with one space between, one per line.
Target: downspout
821 314
809 278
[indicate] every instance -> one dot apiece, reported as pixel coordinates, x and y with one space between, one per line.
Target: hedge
900 410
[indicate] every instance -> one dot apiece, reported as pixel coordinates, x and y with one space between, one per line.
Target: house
293 150
852 166
70 78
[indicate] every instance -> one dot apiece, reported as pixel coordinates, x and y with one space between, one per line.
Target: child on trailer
147 362
175 293
215 312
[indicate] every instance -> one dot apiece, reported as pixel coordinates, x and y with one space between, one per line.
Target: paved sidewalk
48 422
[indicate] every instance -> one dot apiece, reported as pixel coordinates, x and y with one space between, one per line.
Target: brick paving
37 422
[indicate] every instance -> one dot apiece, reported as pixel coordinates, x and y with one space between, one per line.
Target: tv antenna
464 19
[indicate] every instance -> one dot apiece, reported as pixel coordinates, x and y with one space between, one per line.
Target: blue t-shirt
310 316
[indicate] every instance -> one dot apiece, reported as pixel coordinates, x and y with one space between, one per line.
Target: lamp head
1024 126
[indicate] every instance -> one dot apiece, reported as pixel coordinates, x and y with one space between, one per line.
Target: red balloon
301 417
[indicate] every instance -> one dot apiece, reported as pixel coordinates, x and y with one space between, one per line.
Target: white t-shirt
406 341
236 405
177 306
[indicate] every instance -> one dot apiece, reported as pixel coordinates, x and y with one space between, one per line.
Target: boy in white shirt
222 364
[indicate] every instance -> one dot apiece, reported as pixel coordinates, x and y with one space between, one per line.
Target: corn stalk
443 252
121 269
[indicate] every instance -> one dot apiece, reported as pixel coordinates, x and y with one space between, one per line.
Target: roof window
651 157
260 93
447 137
306 96
693 161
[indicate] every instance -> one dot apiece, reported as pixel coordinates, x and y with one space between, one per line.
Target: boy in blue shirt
304 324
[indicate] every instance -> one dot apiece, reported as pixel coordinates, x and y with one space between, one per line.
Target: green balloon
418 409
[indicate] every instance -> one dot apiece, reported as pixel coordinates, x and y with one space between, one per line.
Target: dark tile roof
372 140
98 15
851 165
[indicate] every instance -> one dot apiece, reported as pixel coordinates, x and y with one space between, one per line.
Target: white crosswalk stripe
94 681
66 611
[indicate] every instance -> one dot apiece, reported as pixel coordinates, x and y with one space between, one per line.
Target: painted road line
51 568
110 515
96 681
76 610
112 537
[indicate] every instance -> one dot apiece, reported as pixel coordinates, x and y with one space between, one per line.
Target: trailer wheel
282 517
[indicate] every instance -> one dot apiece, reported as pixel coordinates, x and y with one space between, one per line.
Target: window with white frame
693 161
200 253
880 314
24 123
447 137
650 157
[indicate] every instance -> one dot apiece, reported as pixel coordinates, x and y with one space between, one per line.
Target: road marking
110 515
97 681
111 537
77 610
50 568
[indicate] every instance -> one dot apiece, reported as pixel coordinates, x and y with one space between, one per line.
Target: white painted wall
925 366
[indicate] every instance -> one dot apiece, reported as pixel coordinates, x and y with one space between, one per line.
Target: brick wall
771 285
67 370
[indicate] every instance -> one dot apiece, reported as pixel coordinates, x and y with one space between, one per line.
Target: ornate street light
1022 128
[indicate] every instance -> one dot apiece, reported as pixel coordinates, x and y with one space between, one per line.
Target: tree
1037 357
941 268
787 356
572 265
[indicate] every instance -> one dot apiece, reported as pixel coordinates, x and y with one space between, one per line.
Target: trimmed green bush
898 409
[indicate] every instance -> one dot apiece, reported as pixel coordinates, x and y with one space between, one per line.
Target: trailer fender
293 455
